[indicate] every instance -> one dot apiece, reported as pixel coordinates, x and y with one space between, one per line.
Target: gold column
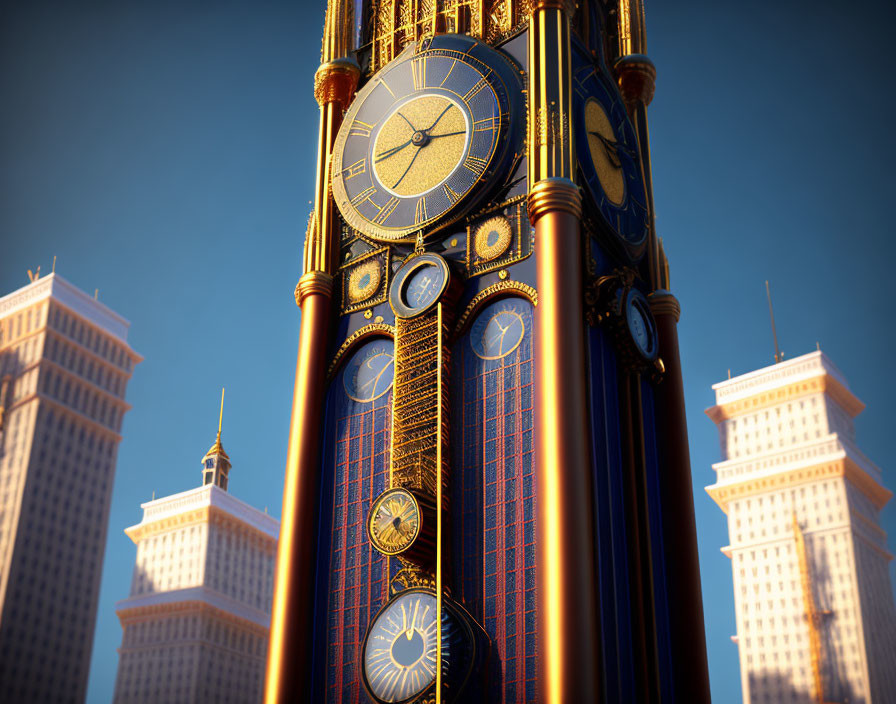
690 675
288 677
567 617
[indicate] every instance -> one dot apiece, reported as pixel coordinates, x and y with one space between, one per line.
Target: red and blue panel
354 576
493 491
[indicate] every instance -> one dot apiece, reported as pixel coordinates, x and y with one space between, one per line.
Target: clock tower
488 491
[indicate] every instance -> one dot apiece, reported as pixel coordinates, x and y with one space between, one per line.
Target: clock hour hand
447 134
390 152
413 159
413 129
613 148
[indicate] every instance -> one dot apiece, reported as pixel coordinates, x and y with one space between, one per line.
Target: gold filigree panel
498 237
365 280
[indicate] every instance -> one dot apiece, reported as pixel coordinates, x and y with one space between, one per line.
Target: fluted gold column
290 648
690 675
567 617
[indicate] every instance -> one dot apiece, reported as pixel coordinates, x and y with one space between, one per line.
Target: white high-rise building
65 362
814 604
195 626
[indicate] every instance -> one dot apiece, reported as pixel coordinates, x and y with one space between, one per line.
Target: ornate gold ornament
492 238
367 331
501 288
363 281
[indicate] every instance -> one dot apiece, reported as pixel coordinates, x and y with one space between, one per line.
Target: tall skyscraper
195 626
488 451
64 365
816 621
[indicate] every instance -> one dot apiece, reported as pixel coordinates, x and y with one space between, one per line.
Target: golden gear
492 238
363 281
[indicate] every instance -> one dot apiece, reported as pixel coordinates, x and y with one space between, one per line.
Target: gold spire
218 448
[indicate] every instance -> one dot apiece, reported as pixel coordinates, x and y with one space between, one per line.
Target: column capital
662 302
566 6
335 82
636 76
313 282
553 194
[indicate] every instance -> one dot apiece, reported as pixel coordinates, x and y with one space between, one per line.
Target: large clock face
400 651
420 136
608 155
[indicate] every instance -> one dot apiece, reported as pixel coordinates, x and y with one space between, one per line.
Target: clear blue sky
164 151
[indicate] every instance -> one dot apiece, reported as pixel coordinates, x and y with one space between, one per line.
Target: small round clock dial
498 330
641 325
368 375
492 238
422 134
394 522
418 285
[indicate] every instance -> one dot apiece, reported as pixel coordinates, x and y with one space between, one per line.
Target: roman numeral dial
422 136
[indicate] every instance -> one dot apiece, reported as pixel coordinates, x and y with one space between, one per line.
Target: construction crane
813 614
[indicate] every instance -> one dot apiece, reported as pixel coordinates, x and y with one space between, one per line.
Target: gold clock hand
390 152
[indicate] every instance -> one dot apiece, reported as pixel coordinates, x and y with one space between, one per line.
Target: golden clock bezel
378 502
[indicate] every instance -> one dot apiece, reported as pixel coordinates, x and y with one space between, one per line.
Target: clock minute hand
441 115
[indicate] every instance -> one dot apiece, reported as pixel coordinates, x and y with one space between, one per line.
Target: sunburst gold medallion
492 238
394 521
363 281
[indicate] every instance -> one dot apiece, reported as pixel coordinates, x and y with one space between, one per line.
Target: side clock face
420 136
641 325
498 330
608 155
394 521
368 374
418 285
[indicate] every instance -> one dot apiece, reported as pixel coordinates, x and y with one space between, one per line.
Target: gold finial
34 275
221 414
729 373
771 312
96 294
818 345
54 265
153 495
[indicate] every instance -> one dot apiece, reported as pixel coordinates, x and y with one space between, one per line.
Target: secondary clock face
400 650
420 136
418 285
608 156
498 330
369 373
394 521
641 325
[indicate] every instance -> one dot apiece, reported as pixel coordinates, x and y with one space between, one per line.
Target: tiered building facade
195 625
816 621
64 365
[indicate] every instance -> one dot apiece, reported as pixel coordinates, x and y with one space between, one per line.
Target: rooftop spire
216 463
768 293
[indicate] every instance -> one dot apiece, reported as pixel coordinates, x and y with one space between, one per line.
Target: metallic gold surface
553 195
603 149
567 621
513 210
363 281
394 521
492 238
415 169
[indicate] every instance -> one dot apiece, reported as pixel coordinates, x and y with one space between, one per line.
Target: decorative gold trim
486 251
494 291
379 292
515 252
361 333
824 383
845 468
313 282
336 81
552 195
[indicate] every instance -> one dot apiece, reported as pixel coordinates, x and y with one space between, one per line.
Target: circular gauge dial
498 330
420 135
418 285
641 325
400 650
394 521
369 373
